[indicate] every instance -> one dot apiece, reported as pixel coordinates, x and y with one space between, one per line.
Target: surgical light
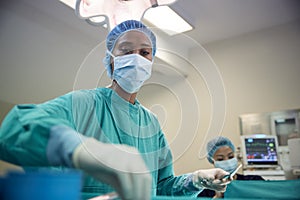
111 12
166 19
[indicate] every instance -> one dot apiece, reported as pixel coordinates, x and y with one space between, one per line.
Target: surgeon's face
133 42
223 153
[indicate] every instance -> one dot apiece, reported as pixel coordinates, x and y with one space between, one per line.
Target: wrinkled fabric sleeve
25 131
168 184
61 144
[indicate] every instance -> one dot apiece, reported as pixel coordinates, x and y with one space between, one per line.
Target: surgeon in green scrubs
106 132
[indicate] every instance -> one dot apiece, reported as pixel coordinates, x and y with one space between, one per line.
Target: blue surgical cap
118 31
216 143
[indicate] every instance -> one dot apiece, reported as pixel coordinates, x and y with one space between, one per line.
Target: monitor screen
260 151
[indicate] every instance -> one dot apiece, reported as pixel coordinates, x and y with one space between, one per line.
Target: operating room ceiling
36 37
212 20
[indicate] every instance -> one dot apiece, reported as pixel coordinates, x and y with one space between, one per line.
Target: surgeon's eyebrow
126 43
128 46
147 45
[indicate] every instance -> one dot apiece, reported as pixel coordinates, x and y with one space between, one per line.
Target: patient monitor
260 151
260 156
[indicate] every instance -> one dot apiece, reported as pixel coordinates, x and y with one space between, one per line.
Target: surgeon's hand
121 166
211 179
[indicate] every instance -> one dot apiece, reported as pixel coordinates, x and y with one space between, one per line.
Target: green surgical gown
99 113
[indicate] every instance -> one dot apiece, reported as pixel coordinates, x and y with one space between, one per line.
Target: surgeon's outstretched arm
120 166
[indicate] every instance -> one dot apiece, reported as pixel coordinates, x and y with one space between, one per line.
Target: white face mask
227 165
131 71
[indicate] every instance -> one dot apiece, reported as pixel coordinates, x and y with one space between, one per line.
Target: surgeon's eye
145 52
220 159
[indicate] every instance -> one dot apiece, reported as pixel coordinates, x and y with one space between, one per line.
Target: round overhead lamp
112 12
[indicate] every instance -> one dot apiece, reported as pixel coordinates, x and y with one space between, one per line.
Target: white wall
260 72
41 53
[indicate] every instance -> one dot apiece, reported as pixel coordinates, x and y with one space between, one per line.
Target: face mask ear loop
110 54
213 160
110 61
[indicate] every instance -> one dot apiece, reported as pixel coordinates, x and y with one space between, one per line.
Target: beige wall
260 72
4 109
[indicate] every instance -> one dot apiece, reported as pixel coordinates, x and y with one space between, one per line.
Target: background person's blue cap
119 30
216 143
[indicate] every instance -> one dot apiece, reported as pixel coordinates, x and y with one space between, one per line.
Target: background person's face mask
227 165
131 71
